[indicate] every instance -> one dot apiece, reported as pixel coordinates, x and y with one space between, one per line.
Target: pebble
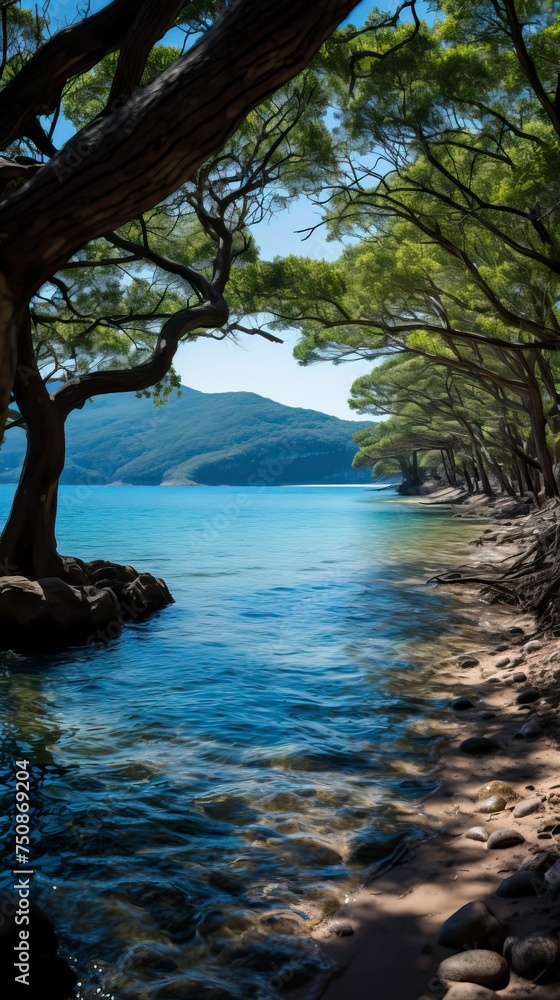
504 838
461 704
527 696
476 745
503 662
468 661
521 883
526 808
470 991
531 955
519 677
474 925
480 967
497 787
477 833
493 804
532 647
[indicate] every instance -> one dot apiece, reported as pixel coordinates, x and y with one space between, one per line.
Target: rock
532 647
519 677
536 862
532 955
527 696
483 968
342 928
475 746
468 661
493 804
497 787
50 612
144 595
103 573
530 730
526 808
461 704
552 876
504 838
470 991
473 926
521 883
486 715
477 833
515 630
504 661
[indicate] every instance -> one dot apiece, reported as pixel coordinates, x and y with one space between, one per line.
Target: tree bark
28 542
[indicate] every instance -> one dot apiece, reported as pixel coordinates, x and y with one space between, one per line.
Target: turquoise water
208 786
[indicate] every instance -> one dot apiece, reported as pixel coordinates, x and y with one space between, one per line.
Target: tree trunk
468 480
28 542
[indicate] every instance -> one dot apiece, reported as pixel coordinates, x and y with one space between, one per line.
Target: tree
147 128
447 189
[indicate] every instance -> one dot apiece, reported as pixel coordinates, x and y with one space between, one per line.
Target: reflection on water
207 787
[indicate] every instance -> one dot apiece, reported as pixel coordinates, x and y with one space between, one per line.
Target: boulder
477 967
473 926
521 883
47 612
144 595
476 746
102 572
533 956
504 838
53 613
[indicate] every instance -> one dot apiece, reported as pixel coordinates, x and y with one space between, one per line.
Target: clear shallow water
209 785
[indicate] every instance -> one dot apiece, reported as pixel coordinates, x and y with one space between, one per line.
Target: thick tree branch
37 88
124 163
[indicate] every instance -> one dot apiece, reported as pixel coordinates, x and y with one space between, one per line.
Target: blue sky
254 365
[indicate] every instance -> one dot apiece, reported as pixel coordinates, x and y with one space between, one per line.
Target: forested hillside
234 438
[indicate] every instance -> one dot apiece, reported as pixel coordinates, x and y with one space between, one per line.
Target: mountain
226 438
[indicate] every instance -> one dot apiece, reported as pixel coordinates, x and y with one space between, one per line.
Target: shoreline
383 941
